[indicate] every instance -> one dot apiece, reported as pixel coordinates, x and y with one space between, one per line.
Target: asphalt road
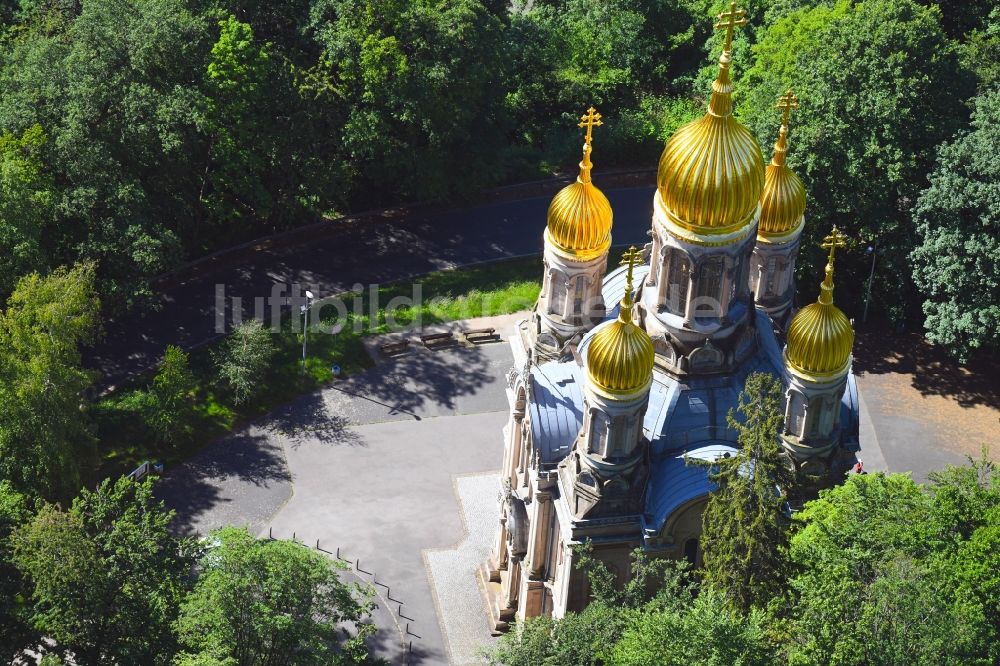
388 251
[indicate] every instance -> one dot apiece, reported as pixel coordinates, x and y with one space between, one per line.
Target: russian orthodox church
621 378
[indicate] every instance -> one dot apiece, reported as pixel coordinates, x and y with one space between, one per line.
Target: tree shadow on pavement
880 351
245 463
424 381
310 418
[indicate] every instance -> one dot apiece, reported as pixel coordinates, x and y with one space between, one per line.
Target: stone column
538 543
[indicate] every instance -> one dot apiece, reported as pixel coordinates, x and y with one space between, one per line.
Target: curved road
368 254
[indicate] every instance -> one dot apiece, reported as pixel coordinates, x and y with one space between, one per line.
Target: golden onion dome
580 217
783 200
620 355
820 337
711 172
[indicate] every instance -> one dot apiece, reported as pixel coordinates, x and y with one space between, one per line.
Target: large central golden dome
712 171
820 336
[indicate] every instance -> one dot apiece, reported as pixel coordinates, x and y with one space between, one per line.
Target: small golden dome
580 217
620 355
712 171
820 337
784 198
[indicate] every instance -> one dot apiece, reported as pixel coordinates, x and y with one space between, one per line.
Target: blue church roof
675 480
684 418
556 409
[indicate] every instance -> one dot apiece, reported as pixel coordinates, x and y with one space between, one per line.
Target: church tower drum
605 474
695 301
577 238
783 203
817 363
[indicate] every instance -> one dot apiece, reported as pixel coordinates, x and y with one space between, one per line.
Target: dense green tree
172 398
585 638
957 262
745 530
622 626
705 630
169 131
863 138
26 205
270 162
966 516
244 359
261 602
108 575
578 639
419 91
16 632
112 84
981 52
620 56
960 17
45 434
870 586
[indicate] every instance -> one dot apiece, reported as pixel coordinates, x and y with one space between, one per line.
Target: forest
138 135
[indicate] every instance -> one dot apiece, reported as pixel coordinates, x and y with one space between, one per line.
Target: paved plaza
395 469
373 467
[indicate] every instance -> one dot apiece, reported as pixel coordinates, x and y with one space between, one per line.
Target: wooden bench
392 348
479 335
436 340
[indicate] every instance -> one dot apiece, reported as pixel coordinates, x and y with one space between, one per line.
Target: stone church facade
622 377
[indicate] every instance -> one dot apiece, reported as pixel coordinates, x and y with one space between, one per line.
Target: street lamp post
305 325
871 278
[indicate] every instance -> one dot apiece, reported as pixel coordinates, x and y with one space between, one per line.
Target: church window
826 417
617 436
770 285
578 293
691 551
557 292
816 409
598 433
677 283
708 288
796 415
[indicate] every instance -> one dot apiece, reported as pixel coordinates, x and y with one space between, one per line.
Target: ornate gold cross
834 241
729 21
590 120
631 258
786 103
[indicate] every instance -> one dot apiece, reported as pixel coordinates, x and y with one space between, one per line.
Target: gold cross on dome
631 258
786 103
729 21
590 120
835 240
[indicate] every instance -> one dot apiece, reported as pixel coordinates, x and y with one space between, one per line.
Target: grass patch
479 291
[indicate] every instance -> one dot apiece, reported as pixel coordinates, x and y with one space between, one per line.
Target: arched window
557 292
678 276
796 414
579 292
599 427
816 410
771 277
691 551
708 288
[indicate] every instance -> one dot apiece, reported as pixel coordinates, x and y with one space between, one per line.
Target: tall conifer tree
744 533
